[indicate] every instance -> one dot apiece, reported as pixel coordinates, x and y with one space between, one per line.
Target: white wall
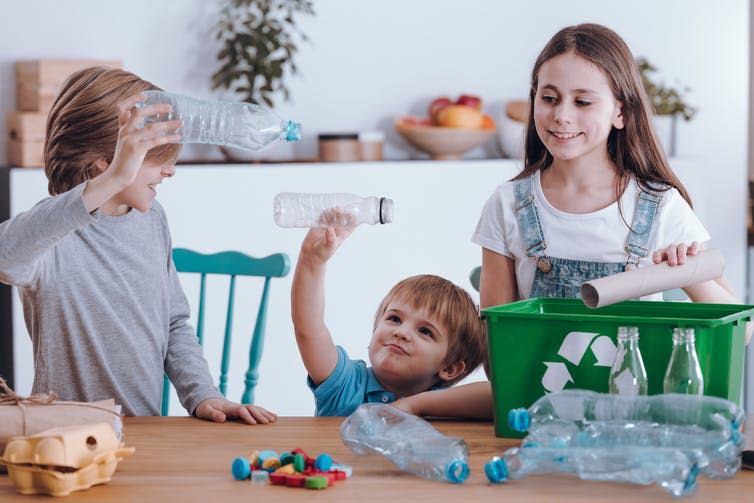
372 61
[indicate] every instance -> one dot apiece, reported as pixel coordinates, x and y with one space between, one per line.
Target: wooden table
184 459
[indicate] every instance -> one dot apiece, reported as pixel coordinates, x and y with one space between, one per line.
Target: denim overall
558 277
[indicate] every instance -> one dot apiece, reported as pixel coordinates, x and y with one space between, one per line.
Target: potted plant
668 103
259 40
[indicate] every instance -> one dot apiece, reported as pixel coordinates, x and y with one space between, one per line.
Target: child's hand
220 409
321 243
675 254
134 141
409 405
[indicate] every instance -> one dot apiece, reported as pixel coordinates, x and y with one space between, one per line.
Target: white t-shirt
599 236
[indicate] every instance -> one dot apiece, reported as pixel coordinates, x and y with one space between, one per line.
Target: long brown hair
635 149
83 126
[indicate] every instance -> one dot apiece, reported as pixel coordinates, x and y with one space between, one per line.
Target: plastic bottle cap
457 471
323 462
386 210
518 419
317 482
241 469
293 131
496 470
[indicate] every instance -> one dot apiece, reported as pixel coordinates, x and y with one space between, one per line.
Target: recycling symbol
573 349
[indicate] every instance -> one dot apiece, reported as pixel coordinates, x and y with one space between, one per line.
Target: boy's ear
452 370
101 165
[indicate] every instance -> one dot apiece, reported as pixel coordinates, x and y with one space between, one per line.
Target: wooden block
26 153
39 81
26 126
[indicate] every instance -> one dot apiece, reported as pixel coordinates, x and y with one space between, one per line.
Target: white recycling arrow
556 376
574 346
604 351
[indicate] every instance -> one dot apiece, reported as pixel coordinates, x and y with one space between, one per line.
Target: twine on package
10 397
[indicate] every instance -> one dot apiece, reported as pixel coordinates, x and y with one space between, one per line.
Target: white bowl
510 137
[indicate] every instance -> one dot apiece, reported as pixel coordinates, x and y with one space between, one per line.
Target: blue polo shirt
350 384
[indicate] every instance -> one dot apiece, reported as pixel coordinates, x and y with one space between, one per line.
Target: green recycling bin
541 345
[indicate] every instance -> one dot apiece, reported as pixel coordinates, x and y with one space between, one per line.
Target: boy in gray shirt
100 293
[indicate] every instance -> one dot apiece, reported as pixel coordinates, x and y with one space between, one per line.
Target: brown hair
83 126
635 149
454 307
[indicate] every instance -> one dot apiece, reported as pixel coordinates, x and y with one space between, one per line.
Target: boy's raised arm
308 301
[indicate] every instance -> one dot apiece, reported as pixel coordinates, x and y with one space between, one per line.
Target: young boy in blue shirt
427 335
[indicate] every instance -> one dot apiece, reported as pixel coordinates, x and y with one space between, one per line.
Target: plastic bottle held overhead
234 124
576 408
628 375
670 468
684 374
293 209
410 442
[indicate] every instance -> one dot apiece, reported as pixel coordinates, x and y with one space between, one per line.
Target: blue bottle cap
241 469
457 471
293 131
323 462
496 470
518 419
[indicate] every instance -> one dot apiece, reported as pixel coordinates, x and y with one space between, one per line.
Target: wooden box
26 126
27 154
38 81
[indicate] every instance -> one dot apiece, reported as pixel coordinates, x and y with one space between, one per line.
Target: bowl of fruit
451 130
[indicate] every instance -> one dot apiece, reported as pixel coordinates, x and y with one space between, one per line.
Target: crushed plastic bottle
410 442
583 406
318 210
670 468
579 418
234 124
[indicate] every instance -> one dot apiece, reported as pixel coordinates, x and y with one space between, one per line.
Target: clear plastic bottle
316 210
575 408
672 469
628 375
410 442
721 449
684 375
228 123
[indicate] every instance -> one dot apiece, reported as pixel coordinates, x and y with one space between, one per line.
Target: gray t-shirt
103 305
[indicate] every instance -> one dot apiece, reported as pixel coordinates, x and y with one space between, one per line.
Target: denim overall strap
528 218
641 227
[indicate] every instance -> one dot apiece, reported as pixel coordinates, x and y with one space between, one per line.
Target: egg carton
63 460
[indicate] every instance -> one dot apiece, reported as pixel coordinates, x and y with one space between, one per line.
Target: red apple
470 101
437 105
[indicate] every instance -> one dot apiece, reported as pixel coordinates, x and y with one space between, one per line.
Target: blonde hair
634 149
82 127
452 306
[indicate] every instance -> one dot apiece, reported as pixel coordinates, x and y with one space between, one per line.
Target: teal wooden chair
232 264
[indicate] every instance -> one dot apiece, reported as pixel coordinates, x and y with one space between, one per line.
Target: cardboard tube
705 266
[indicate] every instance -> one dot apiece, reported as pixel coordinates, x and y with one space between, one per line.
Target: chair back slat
255 349
233 264
227 337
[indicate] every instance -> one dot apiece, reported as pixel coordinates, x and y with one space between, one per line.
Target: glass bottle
628 375
316 210
684 375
